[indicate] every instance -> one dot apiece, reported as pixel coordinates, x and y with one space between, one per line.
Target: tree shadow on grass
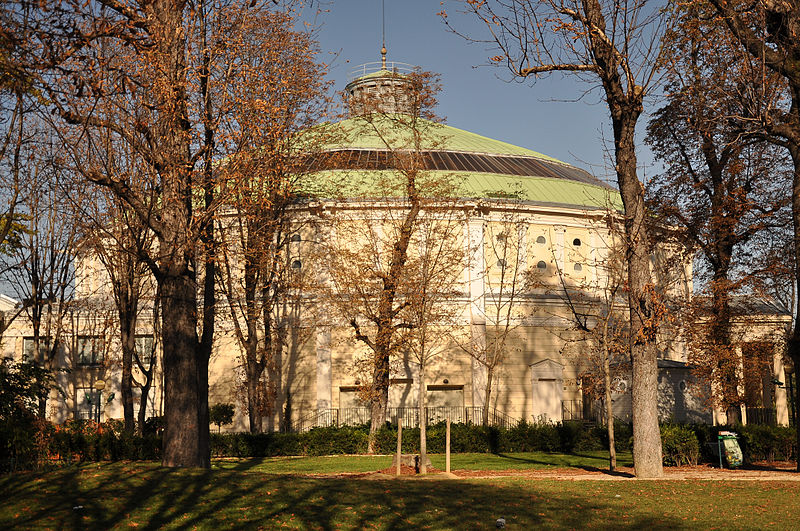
767 467
115 495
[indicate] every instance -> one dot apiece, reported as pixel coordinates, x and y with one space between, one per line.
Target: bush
84 440
767 443
758 443
679 445
23 434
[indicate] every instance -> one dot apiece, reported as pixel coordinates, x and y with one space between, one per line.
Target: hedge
682 444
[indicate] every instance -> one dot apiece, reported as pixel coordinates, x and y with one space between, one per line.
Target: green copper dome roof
360 157
357 134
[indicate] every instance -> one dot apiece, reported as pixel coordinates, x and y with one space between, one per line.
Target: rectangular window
45 346
144 349
90 350
87 402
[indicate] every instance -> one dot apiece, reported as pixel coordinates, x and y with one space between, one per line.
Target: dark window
297 264
501 263
541 265
90 350
295 237
144 349
577 267
576 242
45 346
541 240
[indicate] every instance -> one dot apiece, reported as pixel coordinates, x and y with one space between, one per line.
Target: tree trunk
182 441
646 433
127 329
254 371
185 369
794 339
380 400
142 415
487 395
612 450
423 421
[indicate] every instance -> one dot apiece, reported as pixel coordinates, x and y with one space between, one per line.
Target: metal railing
765 416
572 410
355 416
376 66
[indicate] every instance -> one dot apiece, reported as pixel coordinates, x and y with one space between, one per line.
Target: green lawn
130 495
362 463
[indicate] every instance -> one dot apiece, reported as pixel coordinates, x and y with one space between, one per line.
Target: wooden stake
399 442
447 447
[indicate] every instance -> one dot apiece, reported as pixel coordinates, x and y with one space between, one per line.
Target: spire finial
383 34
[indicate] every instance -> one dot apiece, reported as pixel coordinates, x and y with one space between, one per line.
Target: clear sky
554 117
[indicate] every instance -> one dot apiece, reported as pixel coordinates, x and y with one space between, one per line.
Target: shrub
679 445
332 440
766 443
23 434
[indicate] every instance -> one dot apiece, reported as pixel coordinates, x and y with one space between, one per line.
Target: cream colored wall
542 326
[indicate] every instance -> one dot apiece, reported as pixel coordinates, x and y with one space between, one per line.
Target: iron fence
410 415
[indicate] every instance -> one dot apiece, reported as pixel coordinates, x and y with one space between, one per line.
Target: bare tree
272 141
436 263
117 240
615 44
596 309
496 313
41 269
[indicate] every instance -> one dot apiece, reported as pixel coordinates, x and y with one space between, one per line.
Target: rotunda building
532 253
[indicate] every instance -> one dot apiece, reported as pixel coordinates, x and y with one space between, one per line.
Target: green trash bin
729 449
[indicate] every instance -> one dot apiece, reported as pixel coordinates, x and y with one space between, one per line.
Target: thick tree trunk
182 443
380 399
254 371
794 339
128 338
186 430
646 433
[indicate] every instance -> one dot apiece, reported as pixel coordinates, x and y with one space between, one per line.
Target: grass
130 495
363 463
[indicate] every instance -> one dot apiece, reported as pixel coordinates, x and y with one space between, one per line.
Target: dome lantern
385 87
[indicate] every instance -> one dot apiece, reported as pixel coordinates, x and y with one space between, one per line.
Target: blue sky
555 116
